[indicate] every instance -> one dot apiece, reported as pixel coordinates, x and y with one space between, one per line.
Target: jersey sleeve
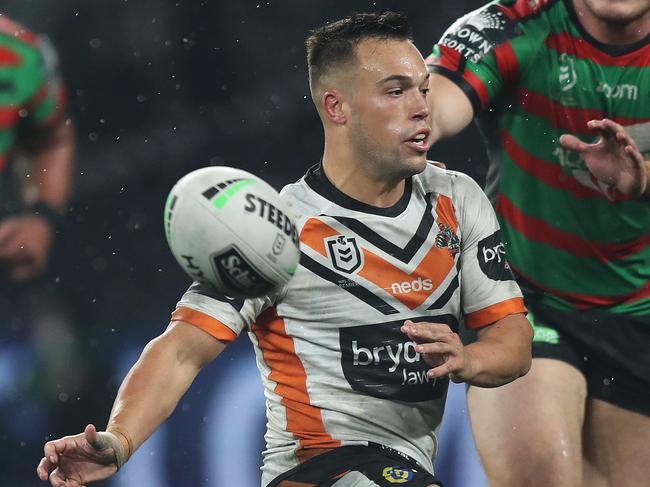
220 316
482 52
488 288
48 102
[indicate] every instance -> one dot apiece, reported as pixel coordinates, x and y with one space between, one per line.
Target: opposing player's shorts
610 350
357 466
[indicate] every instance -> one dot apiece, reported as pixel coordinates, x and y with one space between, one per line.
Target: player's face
618 11
390 123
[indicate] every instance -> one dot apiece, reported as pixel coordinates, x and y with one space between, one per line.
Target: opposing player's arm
474 61
451 109
147 396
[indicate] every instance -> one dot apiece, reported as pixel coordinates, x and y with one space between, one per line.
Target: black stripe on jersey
346 284
403 254
444 298
317 180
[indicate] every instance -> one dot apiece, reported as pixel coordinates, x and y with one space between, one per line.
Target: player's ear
333 107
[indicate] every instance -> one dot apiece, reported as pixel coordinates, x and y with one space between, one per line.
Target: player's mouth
419 142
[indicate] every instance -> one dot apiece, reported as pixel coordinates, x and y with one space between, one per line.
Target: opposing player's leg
528 432
615 446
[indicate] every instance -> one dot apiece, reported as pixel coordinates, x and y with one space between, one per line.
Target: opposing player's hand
613 159
75 461
441 348
25 243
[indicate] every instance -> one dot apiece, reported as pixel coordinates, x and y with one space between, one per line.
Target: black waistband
337 460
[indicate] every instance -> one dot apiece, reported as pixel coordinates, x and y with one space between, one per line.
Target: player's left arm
614 158
501 353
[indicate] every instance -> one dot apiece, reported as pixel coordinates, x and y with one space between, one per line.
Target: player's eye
424 91
396 92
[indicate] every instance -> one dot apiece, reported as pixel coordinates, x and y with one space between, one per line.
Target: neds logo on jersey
380 361
492 258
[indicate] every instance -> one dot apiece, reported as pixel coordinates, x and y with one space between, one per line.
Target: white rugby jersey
336 368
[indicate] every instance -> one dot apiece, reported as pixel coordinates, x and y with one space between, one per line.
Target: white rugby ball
231 229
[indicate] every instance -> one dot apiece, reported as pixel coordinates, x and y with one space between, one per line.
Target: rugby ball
231 229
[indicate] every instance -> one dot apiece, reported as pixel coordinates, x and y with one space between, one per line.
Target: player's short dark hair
335 42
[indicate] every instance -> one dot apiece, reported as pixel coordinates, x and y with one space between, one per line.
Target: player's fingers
43 469
573 143
436 348
51 452
94 438
636 155
430 332
604 129
441 370
410 326
57 478
611 126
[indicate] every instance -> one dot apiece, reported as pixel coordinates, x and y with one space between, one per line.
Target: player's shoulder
499 20
439 180
302 197
495 14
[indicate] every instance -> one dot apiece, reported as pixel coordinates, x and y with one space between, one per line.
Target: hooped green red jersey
532 73
32 94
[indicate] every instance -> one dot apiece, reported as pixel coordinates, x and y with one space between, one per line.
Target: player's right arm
147 396
451 109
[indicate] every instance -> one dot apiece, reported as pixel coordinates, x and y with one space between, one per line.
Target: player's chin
414 164
620 12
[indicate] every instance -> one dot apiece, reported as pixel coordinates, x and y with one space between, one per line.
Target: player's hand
441 348
75 461
25 243
613 159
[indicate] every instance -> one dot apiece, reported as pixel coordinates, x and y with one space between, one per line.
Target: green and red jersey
32 94
532 73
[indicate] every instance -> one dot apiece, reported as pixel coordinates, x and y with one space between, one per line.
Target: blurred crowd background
158 88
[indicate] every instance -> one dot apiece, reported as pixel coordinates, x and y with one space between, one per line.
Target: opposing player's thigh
528 432
615 446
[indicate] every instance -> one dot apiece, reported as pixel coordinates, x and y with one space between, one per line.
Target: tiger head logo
446 238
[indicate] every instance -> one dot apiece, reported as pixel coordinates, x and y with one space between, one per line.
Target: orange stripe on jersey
427 276
489 315
314 233
445 212
304 420
207 323
435 266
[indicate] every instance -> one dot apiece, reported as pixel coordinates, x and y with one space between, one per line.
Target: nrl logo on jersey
567 78
446 238
344 253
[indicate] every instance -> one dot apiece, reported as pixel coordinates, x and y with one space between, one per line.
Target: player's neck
350 178
612 33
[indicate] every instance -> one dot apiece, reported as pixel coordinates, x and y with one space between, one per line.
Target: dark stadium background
158 88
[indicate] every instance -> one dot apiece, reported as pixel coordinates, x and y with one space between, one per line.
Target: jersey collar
317 180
